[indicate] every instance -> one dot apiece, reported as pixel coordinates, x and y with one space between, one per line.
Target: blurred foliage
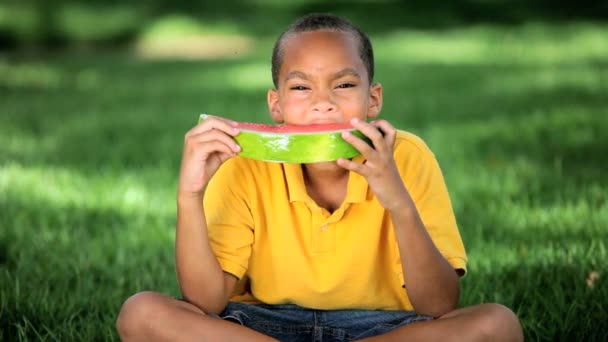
59 23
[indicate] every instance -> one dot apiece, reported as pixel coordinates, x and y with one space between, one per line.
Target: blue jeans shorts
288 322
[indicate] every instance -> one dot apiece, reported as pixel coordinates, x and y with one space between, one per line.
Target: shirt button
324 227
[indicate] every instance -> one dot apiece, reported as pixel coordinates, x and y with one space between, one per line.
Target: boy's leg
485 322
150 316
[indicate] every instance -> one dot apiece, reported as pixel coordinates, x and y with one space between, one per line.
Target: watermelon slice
299 144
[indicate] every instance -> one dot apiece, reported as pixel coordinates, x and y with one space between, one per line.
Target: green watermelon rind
299 148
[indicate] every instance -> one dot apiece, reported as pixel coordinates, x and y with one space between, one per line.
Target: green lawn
90 146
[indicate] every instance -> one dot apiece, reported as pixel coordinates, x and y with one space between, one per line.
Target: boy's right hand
206 146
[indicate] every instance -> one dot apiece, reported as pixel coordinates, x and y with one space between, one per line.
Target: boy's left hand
379 167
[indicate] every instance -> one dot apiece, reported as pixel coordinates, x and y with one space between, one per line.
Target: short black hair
323 22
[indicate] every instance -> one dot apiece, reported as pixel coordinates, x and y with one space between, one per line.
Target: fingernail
354 120
237 147
345 134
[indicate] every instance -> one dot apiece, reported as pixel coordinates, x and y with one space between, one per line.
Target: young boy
366 248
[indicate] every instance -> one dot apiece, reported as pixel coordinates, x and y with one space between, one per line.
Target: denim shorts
288 322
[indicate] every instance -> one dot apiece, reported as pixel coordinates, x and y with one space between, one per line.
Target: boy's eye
298 88
345 85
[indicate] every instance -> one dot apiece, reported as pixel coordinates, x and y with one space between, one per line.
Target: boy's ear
273 106
375 100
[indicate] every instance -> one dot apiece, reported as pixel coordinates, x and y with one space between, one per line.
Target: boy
366 248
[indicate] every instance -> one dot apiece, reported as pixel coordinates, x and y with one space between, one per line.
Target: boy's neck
323 173
326 184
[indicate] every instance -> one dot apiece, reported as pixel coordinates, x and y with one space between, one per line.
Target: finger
208 148
388 130
372 133
217 160
352 166
361 145
214 122
225 156
215 135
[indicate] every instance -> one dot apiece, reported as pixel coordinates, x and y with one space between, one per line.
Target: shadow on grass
444 14
69 22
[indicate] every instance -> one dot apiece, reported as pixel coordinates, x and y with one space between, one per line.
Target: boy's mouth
324 121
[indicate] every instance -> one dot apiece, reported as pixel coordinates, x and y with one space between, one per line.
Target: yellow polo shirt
263 224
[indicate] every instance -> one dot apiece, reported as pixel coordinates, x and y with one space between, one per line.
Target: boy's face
323 80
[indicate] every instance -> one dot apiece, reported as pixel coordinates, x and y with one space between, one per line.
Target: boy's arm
432 284
202 281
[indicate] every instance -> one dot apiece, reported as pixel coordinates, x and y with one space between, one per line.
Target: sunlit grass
526 44
179 25
135 192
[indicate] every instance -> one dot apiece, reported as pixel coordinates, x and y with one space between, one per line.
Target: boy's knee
500 323
136 313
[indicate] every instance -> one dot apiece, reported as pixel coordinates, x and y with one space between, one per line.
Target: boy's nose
323 103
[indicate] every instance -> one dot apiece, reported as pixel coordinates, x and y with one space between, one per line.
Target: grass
90 147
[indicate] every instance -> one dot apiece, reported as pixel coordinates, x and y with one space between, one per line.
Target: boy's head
323 22
322 69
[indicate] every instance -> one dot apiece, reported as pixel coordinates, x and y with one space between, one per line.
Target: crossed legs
150 316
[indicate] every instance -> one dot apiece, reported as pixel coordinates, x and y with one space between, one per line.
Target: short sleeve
424 181
229 219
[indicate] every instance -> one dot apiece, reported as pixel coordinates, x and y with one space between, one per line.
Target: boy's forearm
200 276
431 282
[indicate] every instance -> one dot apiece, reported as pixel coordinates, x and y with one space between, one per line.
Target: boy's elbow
209 296
438 305
210 300
208 304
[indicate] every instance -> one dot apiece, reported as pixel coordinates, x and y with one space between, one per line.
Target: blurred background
95 97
